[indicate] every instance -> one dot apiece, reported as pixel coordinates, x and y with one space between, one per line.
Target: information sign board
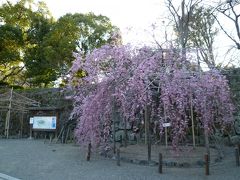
44 122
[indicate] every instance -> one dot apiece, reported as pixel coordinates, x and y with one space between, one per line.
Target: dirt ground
35 160
185 154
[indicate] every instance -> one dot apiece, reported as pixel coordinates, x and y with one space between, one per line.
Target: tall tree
47 49
11 41
182 15
195 28
202 33
39 71
77 32
136 78
19 16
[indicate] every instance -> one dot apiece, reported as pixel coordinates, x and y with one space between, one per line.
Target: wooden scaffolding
11 101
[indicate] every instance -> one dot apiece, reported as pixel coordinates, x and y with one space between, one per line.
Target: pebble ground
35 160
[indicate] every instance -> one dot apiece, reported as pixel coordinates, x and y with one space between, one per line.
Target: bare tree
202 34
181 15
230 9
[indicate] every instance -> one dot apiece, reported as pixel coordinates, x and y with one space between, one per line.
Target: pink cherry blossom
133 78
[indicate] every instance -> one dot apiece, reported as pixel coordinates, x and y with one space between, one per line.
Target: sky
133 17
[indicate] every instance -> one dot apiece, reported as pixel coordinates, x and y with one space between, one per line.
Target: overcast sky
134 15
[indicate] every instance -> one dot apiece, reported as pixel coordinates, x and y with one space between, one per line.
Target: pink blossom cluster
131 79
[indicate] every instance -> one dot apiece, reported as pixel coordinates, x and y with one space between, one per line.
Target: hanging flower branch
135 78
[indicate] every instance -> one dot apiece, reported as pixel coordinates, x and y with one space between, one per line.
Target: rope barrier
216 161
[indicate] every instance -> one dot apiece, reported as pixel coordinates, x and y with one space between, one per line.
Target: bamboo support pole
193 132
147 133
8 115
165 119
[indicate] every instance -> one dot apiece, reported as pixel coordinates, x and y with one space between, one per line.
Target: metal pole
166 137
165 119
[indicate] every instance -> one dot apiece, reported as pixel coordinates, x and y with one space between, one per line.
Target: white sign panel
44 122
31 120
166 124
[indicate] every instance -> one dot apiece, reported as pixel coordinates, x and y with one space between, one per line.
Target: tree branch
225 32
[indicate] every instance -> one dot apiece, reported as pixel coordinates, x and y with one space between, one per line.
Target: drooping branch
148 83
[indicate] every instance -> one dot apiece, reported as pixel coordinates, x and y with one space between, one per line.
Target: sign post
31 125
166 125
44 123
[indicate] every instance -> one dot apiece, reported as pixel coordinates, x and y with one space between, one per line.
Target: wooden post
145 128
238 149
6 133
149 149
207 142
125 133
8 115
66 138
45 137
57 124
121 140
31 125
147 133
89 152
206 164
21 122
114 137
237 156
51 137
160 163
118 157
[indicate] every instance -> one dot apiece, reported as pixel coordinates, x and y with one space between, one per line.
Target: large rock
226 141
235 140
119 134
237 126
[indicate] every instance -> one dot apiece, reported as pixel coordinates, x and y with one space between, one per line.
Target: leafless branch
227 9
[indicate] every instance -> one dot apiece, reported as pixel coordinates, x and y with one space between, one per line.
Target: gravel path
34 160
